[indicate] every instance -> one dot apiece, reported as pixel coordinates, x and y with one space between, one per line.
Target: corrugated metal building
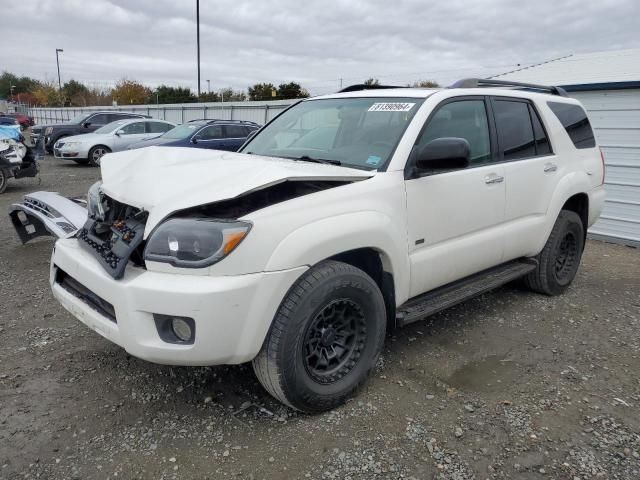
608 85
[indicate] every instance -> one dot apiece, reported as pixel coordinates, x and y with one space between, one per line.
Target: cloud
313 42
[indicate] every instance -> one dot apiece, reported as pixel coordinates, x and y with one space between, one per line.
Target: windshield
182 131
111 127
79 119
354 132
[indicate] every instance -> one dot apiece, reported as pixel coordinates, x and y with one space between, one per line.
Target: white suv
346 215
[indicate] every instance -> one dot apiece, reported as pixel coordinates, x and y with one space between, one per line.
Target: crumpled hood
162 180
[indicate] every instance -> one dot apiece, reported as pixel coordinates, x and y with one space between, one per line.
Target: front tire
560 258
325 339
96 153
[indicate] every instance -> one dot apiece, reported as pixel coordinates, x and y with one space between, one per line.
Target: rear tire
325 339
560 258
4 179
96 153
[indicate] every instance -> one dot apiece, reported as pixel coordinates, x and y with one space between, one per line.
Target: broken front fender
47 213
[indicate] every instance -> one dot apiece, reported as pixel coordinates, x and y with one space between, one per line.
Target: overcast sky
312 42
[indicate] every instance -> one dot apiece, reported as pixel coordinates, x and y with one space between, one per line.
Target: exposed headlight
94 201
48 130
194 242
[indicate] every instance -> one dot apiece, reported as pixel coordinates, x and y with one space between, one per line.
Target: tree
230 95
47 95
291 90
209 97
75 93
262 91
371 82
166 94
426 84
130 92
20 84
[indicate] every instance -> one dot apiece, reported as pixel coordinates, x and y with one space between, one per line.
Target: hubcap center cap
328 337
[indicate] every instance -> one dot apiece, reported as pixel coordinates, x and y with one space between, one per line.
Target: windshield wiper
307 158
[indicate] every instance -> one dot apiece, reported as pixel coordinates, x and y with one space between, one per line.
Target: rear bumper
232 314
596 204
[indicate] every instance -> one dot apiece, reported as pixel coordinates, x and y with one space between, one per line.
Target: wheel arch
579 203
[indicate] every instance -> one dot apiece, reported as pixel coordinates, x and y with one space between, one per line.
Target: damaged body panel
47 213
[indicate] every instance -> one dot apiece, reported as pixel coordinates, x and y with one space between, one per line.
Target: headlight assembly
194 242
69 145
48 130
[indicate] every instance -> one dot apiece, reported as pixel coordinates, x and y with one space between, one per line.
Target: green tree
209 97
371 81
231 95
130 92
47 94
75 93
426 84
263 91
291 90
20 84
166 94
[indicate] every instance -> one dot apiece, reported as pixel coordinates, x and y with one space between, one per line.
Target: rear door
532 172
455 217
235 135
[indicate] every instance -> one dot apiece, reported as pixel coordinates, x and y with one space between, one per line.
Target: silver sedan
113 137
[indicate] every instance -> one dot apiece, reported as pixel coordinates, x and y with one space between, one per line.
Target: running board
449 295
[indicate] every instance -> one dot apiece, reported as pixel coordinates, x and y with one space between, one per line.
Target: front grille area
116 238
78 290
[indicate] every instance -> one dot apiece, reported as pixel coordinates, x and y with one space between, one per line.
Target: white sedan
113 137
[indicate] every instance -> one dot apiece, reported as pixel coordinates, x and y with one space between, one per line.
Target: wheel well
579 204
99 145
370 261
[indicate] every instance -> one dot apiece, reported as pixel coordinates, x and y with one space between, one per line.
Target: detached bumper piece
47 213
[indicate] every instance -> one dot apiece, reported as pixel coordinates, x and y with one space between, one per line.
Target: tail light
603 167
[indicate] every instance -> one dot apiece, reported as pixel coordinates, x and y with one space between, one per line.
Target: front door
455 217
131 133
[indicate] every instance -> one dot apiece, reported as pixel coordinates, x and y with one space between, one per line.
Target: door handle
493 178
550 167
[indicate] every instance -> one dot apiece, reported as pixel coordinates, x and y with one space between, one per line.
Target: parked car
17 159
213 134
83 123
346 215
9 121
113 137
24 120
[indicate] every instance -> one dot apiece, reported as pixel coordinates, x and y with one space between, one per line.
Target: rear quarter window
575 122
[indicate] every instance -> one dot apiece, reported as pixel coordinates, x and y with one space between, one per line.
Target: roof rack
214 120
489 82
362 86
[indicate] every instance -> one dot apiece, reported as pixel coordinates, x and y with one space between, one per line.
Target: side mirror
447 153
195 139
120 132
86 124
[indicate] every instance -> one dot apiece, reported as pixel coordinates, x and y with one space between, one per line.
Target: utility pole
59 50
208 86
198 40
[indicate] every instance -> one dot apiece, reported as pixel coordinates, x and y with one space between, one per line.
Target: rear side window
543 147
158 127
515 131
575 122
235 131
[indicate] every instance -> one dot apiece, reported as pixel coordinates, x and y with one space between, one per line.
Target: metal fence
259 112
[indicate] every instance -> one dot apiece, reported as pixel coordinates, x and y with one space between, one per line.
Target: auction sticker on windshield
391 107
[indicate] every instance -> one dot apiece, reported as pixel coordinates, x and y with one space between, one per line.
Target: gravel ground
508 385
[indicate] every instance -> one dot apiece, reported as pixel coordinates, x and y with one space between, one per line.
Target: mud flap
47 213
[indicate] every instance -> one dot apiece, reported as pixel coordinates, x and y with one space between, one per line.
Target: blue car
214 134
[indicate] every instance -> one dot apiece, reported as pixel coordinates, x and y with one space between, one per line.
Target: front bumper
232 314
64 154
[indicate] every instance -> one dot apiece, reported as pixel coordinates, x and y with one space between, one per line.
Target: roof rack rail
361 86
489 82
214 120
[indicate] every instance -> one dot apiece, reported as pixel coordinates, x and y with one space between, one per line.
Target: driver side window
133 128
462 119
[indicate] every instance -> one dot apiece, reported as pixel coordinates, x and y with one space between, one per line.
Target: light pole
59 50
198 40
11 87
208 86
